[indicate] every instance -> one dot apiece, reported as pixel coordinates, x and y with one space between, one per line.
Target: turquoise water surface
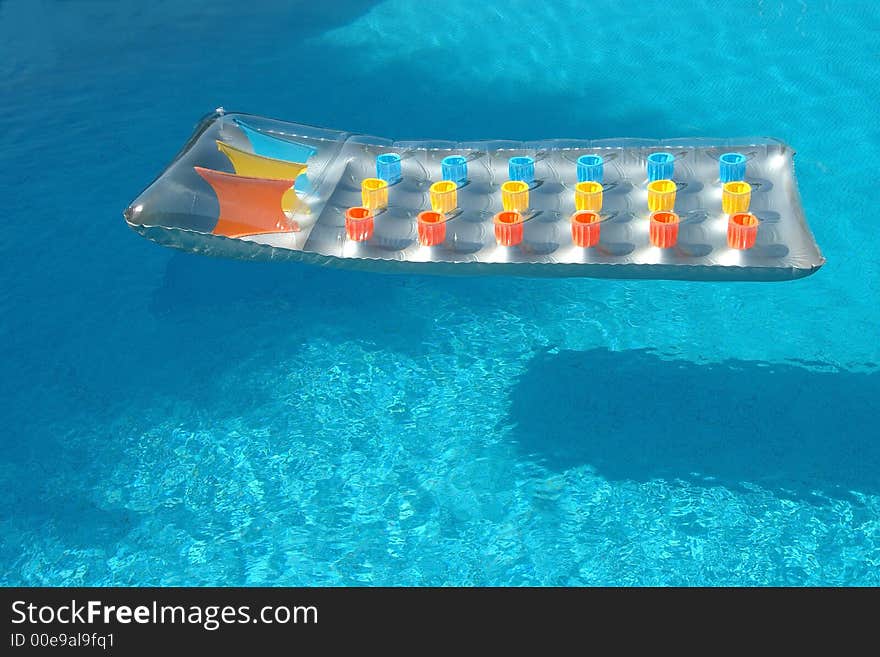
174 419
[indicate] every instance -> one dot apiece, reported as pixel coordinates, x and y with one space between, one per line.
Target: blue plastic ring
590 168
388 167
522 168
661 166
732 166
454 168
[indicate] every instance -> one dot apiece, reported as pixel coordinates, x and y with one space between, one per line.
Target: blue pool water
172 419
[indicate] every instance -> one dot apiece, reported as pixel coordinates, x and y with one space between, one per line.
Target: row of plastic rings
735 196
590 168
586 226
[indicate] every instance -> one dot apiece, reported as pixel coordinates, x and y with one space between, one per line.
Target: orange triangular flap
248 206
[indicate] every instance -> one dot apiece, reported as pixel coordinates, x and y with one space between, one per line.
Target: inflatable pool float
710 209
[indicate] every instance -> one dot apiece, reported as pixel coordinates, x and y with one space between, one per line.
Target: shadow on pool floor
633 415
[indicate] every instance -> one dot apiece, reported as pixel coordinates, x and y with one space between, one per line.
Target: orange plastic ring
359 223
431 228
508 228
585 228
664 229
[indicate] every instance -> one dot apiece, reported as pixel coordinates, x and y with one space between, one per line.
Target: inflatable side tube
698 209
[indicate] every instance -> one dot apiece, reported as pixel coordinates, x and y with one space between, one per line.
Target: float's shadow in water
633 415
